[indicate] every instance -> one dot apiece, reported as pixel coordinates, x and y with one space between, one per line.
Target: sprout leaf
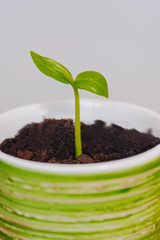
93 82
52 68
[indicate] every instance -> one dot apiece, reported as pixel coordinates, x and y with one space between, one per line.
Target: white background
119 38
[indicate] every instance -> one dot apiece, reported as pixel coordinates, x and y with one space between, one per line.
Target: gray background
119 38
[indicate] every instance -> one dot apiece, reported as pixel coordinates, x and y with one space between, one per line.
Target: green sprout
90 80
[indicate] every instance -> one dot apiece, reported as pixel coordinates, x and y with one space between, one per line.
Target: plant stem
77 131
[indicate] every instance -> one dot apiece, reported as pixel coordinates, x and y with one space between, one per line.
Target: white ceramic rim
72 169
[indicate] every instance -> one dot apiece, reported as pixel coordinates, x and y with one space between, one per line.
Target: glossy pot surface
115 200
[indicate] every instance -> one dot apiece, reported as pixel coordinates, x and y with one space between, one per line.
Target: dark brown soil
53 141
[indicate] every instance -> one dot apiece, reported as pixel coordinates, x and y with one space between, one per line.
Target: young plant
90 80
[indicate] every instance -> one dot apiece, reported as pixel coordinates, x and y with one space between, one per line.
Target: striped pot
118 200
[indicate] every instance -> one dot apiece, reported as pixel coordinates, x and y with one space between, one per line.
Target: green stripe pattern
121 205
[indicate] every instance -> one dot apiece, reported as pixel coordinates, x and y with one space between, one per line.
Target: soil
52 141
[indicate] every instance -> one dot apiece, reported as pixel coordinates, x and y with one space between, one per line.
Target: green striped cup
118 200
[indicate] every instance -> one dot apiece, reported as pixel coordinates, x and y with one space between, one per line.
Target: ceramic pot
115 200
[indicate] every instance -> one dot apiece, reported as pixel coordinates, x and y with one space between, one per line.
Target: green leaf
93 82
52 68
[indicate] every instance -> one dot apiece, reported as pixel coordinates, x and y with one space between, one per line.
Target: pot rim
72 169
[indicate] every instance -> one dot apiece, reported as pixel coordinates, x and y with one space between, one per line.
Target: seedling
90 80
